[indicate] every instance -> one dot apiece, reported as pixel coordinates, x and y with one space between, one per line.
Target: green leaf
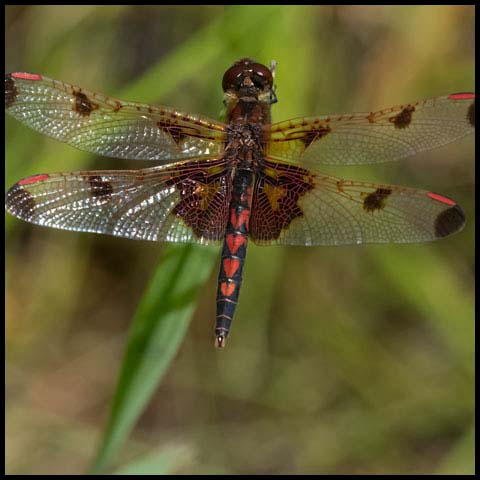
168 461
158 329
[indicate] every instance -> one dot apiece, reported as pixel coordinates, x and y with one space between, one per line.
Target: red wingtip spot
461 96
34 179
26 76
440 198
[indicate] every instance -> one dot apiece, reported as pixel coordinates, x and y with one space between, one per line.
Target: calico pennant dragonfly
226 183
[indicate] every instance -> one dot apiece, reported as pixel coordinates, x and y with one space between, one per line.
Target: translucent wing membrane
187 203
295 206
363 138
106 126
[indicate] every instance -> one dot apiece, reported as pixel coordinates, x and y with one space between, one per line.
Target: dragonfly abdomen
233 254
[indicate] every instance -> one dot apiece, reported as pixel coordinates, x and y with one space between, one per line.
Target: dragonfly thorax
245 145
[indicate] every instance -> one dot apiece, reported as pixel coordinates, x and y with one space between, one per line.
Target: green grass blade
158 328
168 461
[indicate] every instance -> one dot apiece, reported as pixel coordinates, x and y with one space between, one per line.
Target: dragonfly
225 183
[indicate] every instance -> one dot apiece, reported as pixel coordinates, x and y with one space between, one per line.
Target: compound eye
233 77
262 76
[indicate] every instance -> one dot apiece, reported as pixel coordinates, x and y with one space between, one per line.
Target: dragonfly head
247 79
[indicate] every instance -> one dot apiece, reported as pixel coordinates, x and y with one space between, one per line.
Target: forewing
363 138
105 126
295 206
187 203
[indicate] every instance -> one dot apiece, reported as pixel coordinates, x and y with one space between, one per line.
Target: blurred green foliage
341 359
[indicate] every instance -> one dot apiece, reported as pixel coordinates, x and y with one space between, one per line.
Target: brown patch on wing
275 204
471 114
179 132
404 118
310 136
449 221
174 130
10 91
83 105
118 106
376 200
99 187
204 200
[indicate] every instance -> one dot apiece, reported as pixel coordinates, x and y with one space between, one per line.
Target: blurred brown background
341 359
